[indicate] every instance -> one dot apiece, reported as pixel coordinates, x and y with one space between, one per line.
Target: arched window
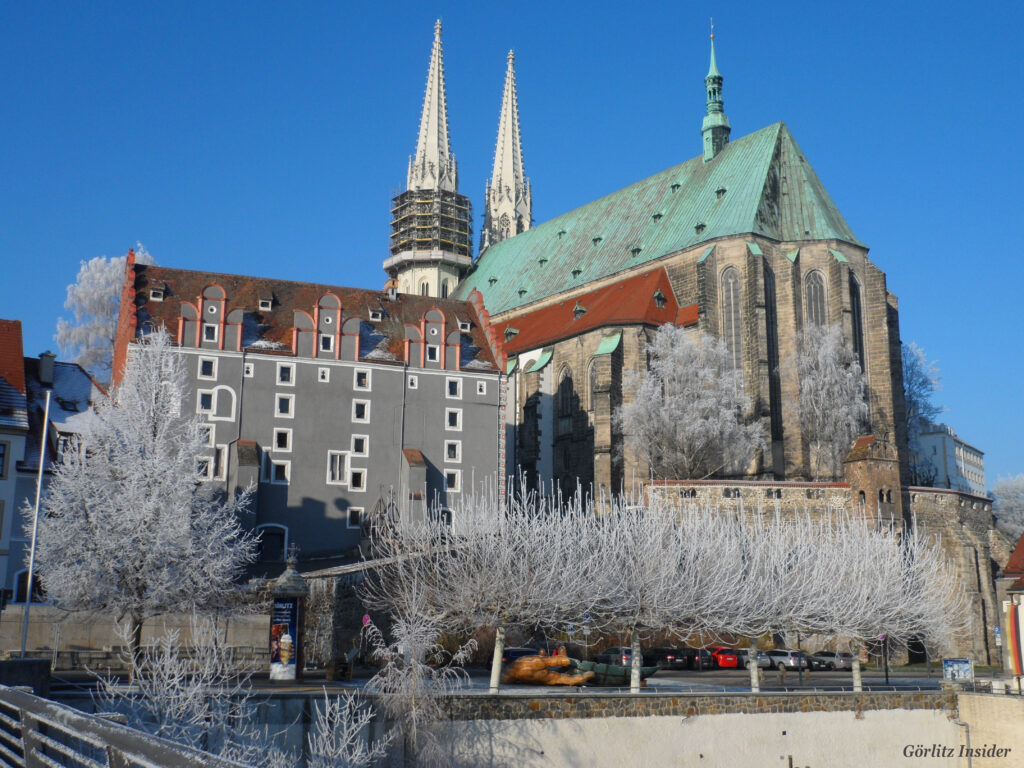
862 502
424 288
444 290
814 293
732 319
565 393
273 543
881 497
20 587
592 377
857 320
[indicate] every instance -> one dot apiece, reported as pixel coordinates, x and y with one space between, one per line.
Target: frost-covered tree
1009 506
94 299
920 383
832 390
686 415
126 525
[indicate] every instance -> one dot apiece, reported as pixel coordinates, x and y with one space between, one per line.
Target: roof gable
12 357
759 184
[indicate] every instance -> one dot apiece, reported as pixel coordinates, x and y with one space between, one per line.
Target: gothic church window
424 288
732 319
565 392
857 320
814 289
444 290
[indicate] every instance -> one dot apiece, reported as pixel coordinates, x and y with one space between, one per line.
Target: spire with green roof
716 125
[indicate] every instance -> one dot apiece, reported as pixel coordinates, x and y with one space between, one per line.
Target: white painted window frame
352 474
458 480
323 374
447 420
277 405
291 376
199 368
458 451
448 381
345 467
273 445
366 419
369 380
366 446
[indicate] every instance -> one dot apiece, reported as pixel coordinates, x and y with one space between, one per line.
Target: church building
741 241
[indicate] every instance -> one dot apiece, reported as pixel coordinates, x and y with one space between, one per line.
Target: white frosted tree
832 389
1009 506
920 383
126 526
94 299
685 417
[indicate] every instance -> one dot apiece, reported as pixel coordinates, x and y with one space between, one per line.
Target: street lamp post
35 528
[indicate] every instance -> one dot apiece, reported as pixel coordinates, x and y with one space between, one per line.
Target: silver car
763 660
782 657
834 659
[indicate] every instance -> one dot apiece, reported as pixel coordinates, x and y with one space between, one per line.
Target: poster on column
284 633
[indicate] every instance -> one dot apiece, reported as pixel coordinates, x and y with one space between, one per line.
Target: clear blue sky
262 139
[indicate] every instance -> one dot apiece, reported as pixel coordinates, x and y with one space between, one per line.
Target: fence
38 733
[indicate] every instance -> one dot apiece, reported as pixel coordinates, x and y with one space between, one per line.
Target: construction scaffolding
431 220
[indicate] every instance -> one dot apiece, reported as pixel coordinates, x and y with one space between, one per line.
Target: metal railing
38 733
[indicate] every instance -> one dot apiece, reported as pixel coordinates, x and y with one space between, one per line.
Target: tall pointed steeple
431 230
508 208
716 125
433 166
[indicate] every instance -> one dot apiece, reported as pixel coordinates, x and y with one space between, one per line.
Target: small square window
355 517
157 294
337 467
282 439
376 315
481 387
220 463
433 353
453 480
453 389
207 368
206 402
204 468
361 410
286 406
453 450
323 374
286 374
280 472
326 342
361 379
357 479
414 382
248 370
360 445
206 432
464 326
209 332
266 305
453 419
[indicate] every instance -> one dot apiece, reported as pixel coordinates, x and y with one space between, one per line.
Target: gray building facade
337 403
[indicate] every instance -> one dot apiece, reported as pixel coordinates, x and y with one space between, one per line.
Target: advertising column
289 592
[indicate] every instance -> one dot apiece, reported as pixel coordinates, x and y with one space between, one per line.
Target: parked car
834 659
782 657
617 654
725 657
666 658
762 658
814 663
699 658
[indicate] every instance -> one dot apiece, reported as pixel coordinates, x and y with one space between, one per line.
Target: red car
725 657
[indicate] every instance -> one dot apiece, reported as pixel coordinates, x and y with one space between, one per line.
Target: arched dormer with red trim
303 333
414 346
434 338
328 326
188 325
213 301
350 337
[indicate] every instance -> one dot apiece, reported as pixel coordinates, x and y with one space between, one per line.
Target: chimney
46 360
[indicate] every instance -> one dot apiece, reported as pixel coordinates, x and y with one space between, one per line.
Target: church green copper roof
759 184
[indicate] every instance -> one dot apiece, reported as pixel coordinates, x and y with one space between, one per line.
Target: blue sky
265 139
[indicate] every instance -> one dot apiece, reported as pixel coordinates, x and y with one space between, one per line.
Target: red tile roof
630 301
414 457
242 292
1015 566
12 354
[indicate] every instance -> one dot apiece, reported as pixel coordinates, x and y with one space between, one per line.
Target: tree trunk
499 651
134 646
755 683
634 675
857 685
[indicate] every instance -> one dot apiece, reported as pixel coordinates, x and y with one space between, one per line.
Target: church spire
508 208
433 167
716 125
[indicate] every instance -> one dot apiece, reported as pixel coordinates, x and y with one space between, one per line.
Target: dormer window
376 315
657 216
542 260
675 187
635 250
510 332
464 326
577 272
521 292
156 294
720 193
561 234
659 299
699 229
492 280
266 305
597 240
578 311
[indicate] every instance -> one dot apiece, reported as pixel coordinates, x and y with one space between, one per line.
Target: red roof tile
630 301
414 457
12 354
1015 565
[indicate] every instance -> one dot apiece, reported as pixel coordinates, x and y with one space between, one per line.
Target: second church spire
508 207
